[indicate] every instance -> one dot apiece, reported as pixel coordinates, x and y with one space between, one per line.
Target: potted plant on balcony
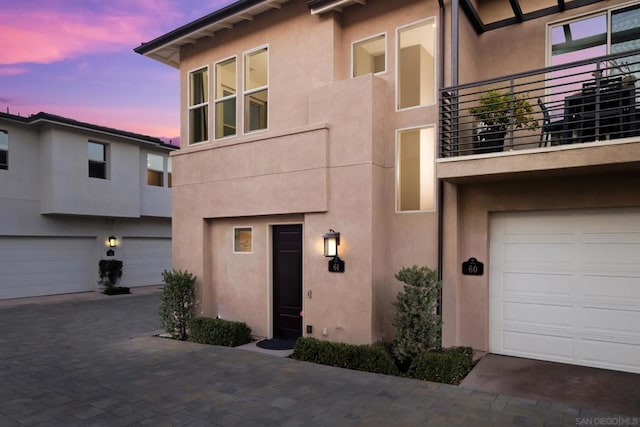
495 112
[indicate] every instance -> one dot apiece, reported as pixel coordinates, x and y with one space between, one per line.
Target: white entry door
565 287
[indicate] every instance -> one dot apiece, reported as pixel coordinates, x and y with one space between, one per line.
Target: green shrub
206 330
449 365
110 272
417 323
177 302
369 358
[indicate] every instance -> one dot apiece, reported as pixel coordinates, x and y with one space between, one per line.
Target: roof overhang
318 7
166 48
514 11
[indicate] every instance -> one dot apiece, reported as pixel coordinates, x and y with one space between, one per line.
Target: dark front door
287 281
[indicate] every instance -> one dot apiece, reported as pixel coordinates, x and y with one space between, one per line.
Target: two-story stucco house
66 188
495 141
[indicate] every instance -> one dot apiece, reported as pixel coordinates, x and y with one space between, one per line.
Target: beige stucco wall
326 161
466 298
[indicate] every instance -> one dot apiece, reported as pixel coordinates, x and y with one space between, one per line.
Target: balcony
543 119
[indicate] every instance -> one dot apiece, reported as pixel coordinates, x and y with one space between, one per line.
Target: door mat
276 344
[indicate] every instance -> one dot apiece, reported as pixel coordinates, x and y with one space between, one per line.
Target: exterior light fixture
113 241
331 243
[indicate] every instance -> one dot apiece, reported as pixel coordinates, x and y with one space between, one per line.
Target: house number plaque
472 267
336 265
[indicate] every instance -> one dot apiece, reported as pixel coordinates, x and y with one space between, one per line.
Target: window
97 160
242 240
169 172
256 91
155 170
198 105
415 169
4 149
416 84
225 98
369 56
609 32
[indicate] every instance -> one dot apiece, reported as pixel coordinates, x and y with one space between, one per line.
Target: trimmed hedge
205 330
369 358
449 365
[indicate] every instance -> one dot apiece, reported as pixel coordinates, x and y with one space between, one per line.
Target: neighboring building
303 116
65 188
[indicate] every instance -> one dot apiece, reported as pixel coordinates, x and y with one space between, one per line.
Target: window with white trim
225 98
155 170
415 169
369 56
256 89
4 149
169 184
97 160
416 79
198 105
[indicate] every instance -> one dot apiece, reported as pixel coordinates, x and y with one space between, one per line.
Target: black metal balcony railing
584 101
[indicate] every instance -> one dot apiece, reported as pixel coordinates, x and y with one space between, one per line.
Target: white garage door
565 287
32 266
144 259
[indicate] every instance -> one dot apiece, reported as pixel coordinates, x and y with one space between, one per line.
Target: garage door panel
536 283
565 286
32 266
536 346
144 260
553 315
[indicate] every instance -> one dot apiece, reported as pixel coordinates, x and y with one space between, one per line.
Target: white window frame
193 107
106 151
233 239
249 92
397 168
386 53
216 101
163 171
5 150
434 22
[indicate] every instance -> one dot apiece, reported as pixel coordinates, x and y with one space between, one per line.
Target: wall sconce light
113 241
331 243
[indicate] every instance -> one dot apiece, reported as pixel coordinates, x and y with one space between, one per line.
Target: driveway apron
96 362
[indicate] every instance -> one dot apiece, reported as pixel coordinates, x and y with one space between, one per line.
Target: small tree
418 326
177 302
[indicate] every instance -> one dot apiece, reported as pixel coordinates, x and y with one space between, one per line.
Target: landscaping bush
205 330
449 365
418 326
177 302
369 358
110 272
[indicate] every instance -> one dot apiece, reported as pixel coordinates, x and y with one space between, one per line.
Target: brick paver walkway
95 362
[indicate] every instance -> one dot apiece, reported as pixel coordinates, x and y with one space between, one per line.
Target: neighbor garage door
565 287
144 260
31 266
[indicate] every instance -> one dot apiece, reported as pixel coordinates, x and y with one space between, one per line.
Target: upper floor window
4 149
97 160
416 68
169 172
225 98
155 170
369 56
256 89
608 32
198 105
415 169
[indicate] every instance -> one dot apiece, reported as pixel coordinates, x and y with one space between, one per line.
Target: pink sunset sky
75 58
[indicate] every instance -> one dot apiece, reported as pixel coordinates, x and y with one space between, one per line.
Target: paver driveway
96 363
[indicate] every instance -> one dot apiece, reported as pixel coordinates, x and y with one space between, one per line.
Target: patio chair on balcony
550 131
